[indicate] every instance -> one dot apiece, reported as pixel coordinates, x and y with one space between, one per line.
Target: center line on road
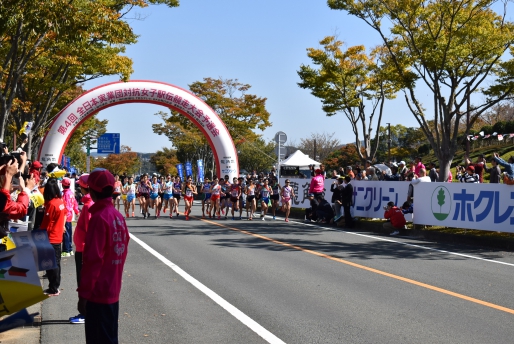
367 268
250 323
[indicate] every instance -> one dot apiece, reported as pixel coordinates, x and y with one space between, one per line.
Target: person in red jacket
53 223
395 217
104 256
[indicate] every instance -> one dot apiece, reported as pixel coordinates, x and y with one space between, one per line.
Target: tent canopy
299 159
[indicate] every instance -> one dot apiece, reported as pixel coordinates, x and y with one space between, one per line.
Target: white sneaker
394 233
262 218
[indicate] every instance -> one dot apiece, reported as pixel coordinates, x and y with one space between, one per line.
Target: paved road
202 281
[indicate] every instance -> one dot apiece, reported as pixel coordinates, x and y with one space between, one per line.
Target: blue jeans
102 323
67 238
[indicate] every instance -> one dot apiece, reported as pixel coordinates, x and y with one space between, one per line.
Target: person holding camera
395 219
467 175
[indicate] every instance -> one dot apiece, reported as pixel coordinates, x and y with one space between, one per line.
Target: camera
5 158
385 207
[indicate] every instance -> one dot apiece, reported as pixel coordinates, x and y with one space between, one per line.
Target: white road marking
254 326
410 245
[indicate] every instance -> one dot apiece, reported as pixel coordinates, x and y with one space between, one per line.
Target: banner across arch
142 91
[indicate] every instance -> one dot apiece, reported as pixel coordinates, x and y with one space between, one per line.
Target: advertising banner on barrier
474 206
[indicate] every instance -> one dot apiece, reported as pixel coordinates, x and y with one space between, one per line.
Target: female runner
250 199
188 190
206 200
265 191
130 189
287 193
235 193
177 191
215 197
168 195
154 196
116 194
124 196
144 194
275 197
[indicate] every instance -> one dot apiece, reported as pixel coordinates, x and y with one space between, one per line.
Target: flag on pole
26 128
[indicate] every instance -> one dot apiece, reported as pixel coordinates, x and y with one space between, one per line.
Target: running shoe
171 216
164 210
187 217
127 215
133 214
287 220
240 217
233 218
262 218
79 319
274 217
71 253
394 233
203 216
226 217
65 254
144 215
219 217
222 211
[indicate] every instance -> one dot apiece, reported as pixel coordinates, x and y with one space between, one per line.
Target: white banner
475 206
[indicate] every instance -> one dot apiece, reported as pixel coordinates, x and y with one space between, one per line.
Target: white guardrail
474 206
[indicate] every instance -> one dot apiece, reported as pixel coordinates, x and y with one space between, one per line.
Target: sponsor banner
42 250
199 164
19 282
475 206
189 169
369 197
180 171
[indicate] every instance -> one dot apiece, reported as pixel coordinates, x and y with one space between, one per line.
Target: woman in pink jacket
79 236
317 184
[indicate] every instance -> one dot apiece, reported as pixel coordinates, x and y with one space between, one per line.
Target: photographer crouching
10 167
396 221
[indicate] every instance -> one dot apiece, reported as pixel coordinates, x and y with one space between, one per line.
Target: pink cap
66 182
99 179
83 180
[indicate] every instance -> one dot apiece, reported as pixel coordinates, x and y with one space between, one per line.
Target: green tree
346 81
452 47
342 157
257 155
49 47
165 161
242 113
125 163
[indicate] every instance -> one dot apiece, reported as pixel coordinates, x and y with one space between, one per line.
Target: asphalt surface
239 281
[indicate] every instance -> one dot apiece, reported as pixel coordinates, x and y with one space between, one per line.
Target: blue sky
261 43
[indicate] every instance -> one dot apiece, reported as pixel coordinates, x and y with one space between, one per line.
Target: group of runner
218 196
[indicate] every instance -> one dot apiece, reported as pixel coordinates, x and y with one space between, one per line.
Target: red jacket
104 254
79 235
15 210
396 216
53 220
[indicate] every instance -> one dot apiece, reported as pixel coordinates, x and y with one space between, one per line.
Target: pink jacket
317 184
418 167
104 254
70 203
79 236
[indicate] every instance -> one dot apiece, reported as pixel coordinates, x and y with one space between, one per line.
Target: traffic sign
282 152
109 143
280 137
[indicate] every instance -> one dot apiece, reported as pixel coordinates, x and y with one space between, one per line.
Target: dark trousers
348 220
67 238
102 323
310 214
54 275
78 265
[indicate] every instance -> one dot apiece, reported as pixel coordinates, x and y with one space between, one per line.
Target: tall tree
453 47
346 81
319 145
241 112
258 155
342 157
49 47
165 161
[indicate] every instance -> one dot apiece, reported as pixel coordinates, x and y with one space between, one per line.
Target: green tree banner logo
441 203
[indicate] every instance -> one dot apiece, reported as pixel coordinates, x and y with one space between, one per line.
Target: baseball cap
37 164
83 180
100 179
66 182
401 163
472 168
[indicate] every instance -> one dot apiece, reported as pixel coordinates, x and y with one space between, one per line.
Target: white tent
299 159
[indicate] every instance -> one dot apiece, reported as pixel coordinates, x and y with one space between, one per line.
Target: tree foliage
125 163
346 81
241 112
319 145
342 157
258 155
49 47
455 48
165 161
